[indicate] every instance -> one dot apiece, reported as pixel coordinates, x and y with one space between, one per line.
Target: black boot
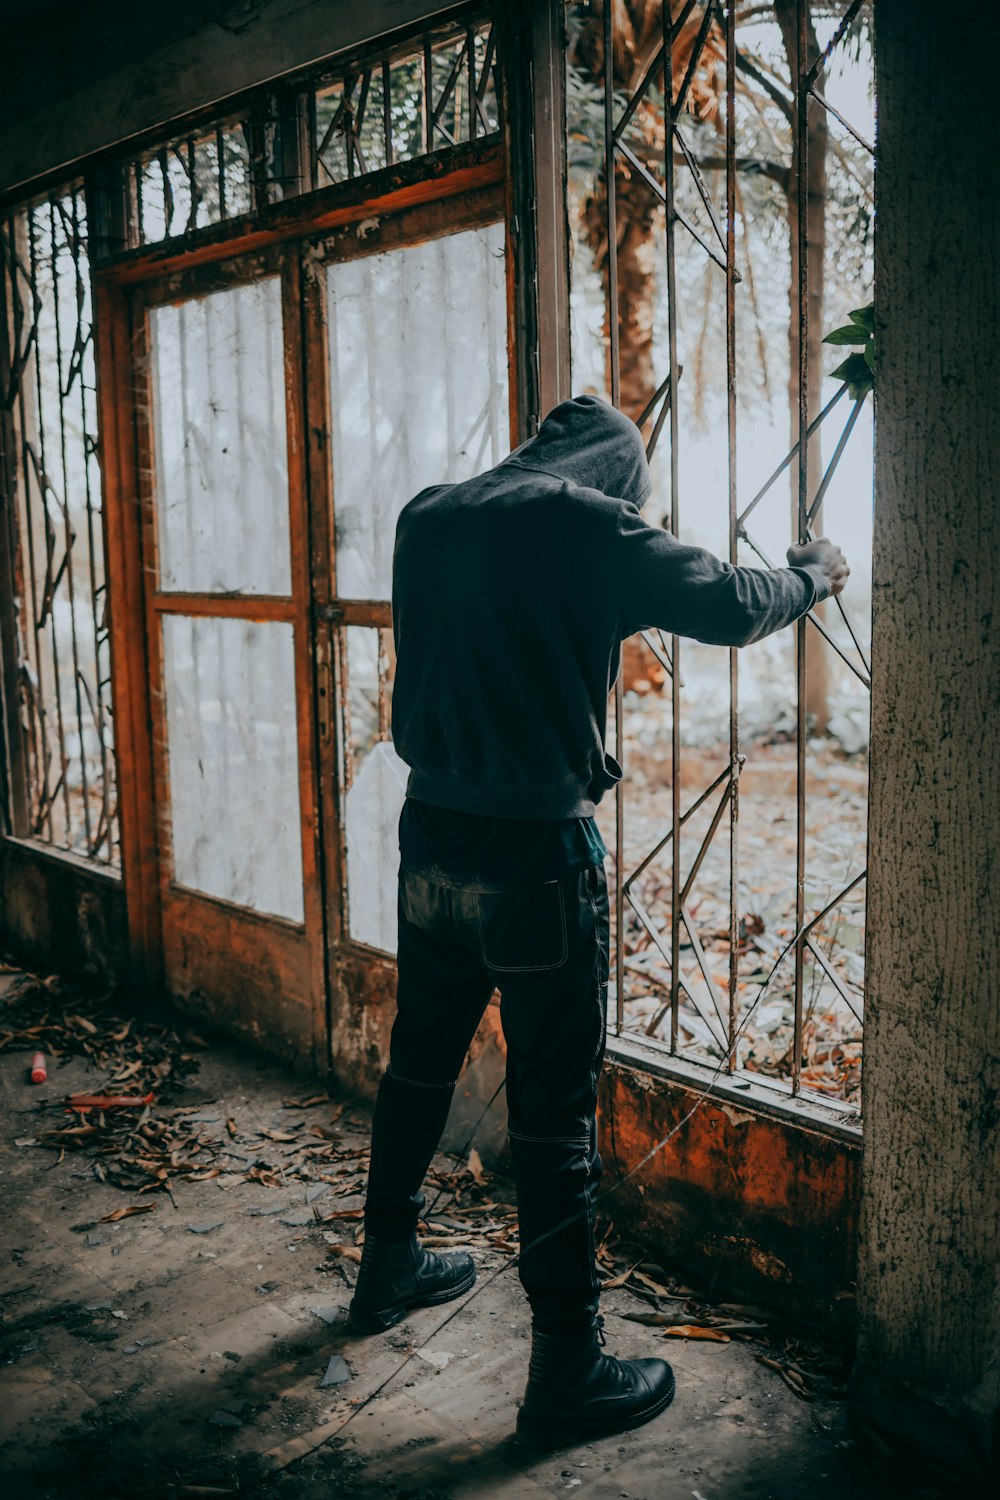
576 1393
395 1276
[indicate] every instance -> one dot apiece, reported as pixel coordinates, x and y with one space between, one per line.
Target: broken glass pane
450 92
48 393
371 115
376 785
418 370
484 51
233 761
221 459
192 182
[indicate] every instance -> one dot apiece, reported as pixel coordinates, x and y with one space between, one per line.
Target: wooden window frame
403 205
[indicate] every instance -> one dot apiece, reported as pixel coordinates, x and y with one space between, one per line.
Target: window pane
231 737
369 115
376 785
221 462
65 794
794 829
191 182
418 369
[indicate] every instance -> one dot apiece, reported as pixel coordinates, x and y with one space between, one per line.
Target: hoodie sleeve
685 590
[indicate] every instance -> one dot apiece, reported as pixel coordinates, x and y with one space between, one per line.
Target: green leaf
864 317
869 353
850 334
856 375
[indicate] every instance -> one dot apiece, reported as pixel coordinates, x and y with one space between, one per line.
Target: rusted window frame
213 942
356 968
430 196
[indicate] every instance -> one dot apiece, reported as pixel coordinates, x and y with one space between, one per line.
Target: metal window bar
722 1020
437 90
60 726
423 81
204 176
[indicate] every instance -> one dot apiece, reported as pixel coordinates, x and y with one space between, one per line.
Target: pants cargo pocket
523 931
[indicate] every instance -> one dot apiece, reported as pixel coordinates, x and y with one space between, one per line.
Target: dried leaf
618 1280
262 1174
659 1319
126 1212
696 1331
654 1286
346 1252
475 1166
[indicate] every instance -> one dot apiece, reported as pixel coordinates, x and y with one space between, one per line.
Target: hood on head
591 444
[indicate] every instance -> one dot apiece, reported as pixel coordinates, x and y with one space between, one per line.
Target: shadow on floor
181 1352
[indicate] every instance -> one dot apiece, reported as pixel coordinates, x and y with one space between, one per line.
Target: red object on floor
38 1069
108 1101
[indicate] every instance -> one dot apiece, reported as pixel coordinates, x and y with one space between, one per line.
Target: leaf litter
148 1140
170 1142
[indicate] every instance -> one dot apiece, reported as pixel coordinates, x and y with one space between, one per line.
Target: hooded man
512 594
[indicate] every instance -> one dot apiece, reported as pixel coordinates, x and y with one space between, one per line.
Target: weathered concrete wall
929 1358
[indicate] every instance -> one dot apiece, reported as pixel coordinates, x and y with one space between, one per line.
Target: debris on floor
188 1340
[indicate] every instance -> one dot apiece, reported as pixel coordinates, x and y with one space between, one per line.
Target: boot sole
532 1433
385 1318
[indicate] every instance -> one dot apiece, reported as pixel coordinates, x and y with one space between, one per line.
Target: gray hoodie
512 593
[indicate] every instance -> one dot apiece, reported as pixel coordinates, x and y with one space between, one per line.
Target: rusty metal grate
439 91
334 123
56 650
198 179
677 171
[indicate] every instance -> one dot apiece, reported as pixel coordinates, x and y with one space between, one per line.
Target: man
512 594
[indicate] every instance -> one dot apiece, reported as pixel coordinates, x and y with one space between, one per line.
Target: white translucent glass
374 799
374 803
221 447
418 373
233 761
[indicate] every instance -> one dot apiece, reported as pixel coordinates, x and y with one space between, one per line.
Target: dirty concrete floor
142 1359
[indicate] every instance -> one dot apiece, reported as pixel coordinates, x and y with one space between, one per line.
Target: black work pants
545 948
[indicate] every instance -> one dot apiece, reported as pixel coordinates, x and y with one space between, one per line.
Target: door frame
298 241
361 978
210 944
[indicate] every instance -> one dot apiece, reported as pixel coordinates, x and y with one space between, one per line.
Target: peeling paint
734 1114
788 1194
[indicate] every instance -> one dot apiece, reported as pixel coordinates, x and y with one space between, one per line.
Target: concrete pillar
928 1363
